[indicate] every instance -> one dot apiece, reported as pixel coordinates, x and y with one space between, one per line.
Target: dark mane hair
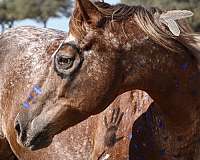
122 11
147 20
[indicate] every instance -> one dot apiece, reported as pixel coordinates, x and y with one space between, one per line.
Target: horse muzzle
31 136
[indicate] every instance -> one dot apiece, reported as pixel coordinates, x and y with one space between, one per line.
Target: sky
60 23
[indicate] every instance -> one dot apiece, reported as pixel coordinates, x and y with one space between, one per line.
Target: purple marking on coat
184 66
26 105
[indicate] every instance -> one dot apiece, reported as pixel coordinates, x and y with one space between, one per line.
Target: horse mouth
38 142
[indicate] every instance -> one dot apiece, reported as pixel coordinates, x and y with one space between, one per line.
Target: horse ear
88 11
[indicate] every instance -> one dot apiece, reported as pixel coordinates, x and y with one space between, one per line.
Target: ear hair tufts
83 11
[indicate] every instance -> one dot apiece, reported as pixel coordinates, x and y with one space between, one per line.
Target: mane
148 22
146 19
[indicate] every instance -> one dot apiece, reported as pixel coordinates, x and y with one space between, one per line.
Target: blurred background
55 13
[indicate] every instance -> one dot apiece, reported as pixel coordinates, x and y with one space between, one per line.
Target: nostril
18 128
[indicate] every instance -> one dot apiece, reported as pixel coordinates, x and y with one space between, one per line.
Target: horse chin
42 144
37 132
38 143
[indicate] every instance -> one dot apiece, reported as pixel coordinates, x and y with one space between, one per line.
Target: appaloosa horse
109 50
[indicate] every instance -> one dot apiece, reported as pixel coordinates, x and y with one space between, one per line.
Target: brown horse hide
86 140
55 87
5 151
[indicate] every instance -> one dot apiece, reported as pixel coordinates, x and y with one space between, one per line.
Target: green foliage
40 10
7 12
65 7
2 12
46 9
193 5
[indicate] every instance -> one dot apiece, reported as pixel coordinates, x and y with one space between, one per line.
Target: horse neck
171 79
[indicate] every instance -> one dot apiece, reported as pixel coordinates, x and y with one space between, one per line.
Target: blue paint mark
135 146
184 66
30 97
37 90
160 124
130 136
26 105
162 152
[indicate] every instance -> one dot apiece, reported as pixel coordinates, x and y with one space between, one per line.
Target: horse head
108 51
81 81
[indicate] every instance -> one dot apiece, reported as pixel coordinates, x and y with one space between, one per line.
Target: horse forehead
132 37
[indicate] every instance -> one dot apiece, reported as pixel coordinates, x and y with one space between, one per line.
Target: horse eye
64 62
